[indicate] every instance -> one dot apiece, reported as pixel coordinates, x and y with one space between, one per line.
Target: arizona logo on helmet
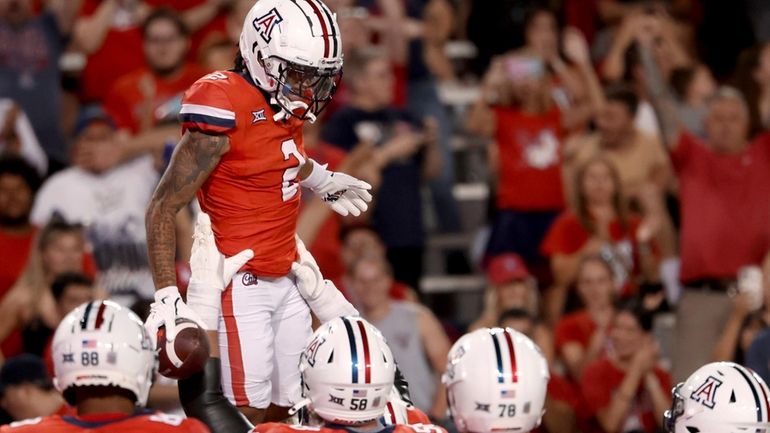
266 23
705 393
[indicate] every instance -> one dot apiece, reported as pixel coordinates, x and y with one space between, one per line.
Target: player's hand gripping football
322 296
345 194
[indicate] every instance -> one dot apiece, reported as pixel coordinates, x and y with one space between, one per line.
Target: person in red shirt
152 94
625 390
18 184
598 225
519 111
27 391
581 337
724 191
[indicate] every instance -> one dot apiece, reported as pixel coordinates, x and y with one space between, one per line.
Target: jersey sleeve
207 108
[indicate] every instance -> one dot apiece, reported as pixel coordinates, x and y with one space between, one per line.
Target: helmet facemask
303 91
677 410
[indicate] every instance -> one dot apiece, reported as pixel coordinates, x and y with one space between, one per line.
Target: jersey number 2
290 186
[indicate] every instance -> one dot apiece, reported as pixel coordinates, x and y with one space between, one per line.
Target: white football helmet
101 343
293 50
496 380
720 397
347 372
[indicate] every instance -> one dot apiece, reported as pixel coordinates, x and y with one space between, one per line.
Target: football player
496 380
104 364
720 397
242 154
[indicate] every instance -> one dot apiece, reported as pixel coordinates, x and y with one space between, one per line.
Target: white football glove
167 308
211 272
344 193
322 296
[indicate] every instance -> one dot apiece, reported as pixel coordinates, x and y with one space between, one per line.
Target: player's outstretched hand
210 272
322 296
345 194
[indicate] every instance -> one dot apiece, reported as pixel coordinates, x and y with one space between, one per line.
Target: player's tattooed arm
194 158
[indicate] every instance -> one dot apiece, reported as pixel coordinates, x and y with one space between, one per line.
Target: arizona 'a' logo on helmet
705 393
265 24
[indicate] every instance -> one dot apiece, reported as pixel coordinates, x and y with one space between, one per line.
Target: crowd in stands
627 159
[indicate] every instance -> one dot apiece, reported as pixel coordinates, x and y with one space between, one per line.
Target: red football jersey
275 427
253 194
143 422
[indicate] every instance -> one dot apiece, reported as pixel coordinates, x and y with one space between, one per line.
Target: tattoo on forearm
661 96
194 158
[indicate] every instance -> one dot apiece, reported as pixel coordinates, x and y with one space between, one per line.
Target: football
188 352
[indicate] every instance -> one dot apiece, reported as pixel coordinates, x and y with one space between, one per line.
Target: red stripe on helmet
100 316
512 355
323 26
367 363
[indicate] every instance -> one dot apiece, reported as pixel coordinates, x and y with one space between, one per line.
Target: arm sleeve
202 398
686 145
207 108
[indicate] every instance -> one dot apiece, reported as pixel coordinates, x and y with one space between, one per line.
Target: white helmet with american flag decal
347 372
720 397
101 343
496 380
293 50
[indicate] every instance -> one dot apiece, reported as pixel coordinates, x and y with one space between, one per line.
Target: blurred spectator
111 204
27 391
360 242
722 179
512 287
108 33
17 138
420 355
639 159
623 62
69 290
152 94
752 78
582 337
600 224
28 311
625 389
29 65
519 110
18 184
693 85
406 153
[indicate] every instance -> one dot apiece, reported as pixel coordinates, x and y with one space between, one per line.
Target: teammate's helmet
720 397
101 343
293 50
347 371
496 379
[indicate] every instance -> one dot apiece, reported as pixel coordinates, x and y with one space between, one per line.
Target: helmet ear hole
331 358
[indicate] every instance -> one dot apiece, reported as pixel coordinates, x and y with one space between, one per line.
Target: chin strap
286 103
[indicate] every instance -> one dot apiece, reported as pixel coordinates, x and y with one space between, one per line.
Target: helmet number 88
358 404
507 410
89 358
